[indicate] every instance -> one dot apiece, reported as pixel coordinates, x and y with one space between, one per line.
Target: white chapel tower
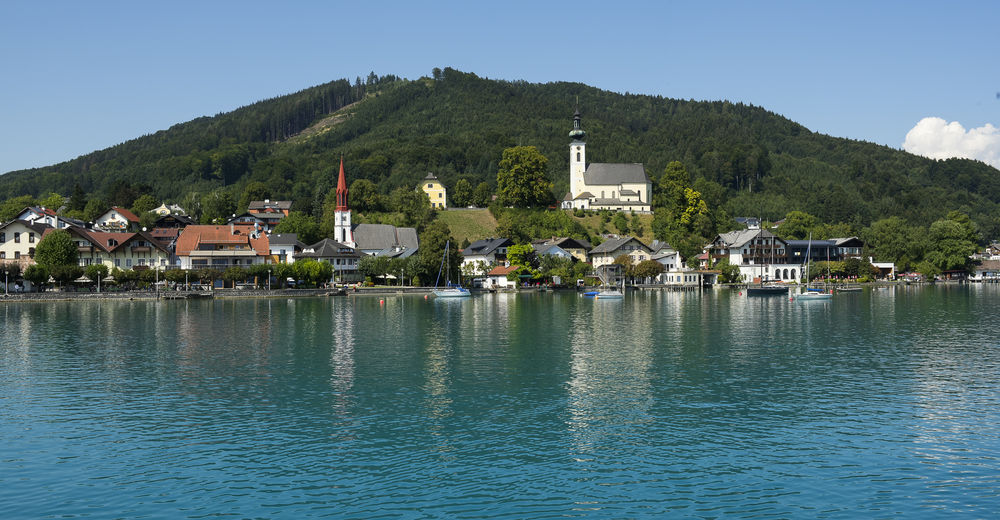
342 215
577 157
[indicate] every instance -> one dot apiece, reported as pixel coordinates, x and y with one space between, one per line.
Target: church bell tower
577 156
342 214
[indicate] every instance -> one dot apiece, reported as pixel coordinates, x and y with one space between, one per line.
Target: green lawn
471 224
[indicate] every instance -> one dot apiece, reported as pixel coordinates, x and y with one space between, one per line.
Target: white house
117 220
760 254
613 247
18 239
48 217
485 253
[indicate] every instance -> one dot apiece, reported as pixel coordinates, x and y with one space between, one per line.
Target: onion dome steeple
577 133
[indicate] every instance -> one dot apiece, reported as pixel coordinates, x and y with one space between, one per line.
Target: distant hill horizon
393 131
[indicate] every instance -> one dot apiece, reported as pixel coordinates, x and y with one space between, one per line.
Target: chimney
232 229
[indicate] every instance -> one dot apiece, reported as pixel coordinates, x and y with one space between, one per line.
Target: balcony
85 249
141 249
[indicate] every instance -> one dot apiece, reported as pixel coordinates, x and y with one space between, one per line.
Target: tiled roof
486 246
129 216
194 236
501 270
613 244
376 237
614 173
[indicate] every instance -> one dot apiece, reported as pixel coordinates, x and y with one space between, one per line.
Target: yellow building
435 191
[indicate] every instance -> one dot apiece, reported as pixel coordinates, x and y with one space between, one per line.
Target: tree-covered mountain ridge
393 131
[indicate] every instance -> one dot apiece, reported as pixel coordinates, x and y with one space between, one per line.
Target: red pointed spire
342 188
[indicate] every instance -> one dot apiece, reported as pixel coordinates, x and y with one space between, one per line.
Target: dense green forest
392 131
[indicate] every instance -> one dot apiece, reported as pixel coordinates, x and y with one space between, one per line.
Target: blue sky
83 76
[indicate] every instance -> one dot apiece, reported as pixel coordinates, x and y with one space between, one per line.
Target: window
3 237
31 238
17 238
17 254
577 156
118 262
3 254
128 262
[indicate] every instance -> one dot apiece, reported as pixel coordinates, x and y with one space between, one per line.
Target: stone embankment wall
217 293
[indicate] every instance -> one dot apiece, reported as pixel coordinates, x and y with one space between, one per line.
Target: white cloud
938 139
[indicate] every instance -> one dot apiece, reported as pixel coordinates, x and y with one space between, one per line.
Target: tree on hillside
53 201
303 225
56 249
521 179
482 196
144 204
254 190
11 207
461 193
363 195
522 255
413 205
217 207
797 226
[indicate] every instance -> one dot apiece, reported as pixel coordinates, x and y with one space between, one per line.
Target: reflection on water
882 403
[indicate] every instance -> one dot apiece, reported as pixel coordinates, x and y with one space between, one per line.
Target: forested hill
455 124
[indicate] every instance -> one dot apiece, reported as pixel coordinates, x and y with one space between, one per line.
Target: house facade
123 250
220 247
117 220
761 255
342 257
483 254
284 247
605 253
435 191
48 217
18 239
574 246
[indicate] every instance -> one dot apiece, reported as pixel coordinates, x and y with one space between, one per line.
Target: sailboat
448 291
807 294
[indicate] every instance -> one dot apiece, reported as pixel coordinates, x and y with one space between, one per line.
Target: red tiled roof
126 213
193 236
502 271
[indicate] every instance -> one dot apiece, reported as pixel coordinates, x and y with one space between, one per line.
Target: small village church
612 186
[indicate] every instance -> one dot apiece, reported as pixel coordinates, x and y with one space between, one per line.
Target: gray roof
614 173
378 237
37 227
486 246
329 248
659 245
740 237
271 204
284 239
565 242
613 244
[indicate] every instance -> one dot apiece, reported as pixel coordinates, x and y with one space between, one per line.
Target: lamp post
268 279
5 290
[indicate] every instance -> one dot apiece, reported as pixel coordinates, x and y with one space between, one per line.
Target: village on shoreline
164 251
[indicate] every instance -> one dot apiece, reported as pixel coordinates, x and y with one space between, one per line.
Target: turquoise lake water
882 404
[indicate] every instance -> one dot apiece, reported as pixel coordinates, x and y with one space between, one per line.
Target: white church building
612 186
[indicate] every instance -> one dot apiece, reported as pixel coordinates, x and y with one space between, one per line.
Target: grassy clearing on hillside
593 225
469 224
474 224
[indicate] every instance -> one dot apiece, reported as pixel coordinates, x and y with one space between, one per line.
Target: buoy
380 302
425 296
